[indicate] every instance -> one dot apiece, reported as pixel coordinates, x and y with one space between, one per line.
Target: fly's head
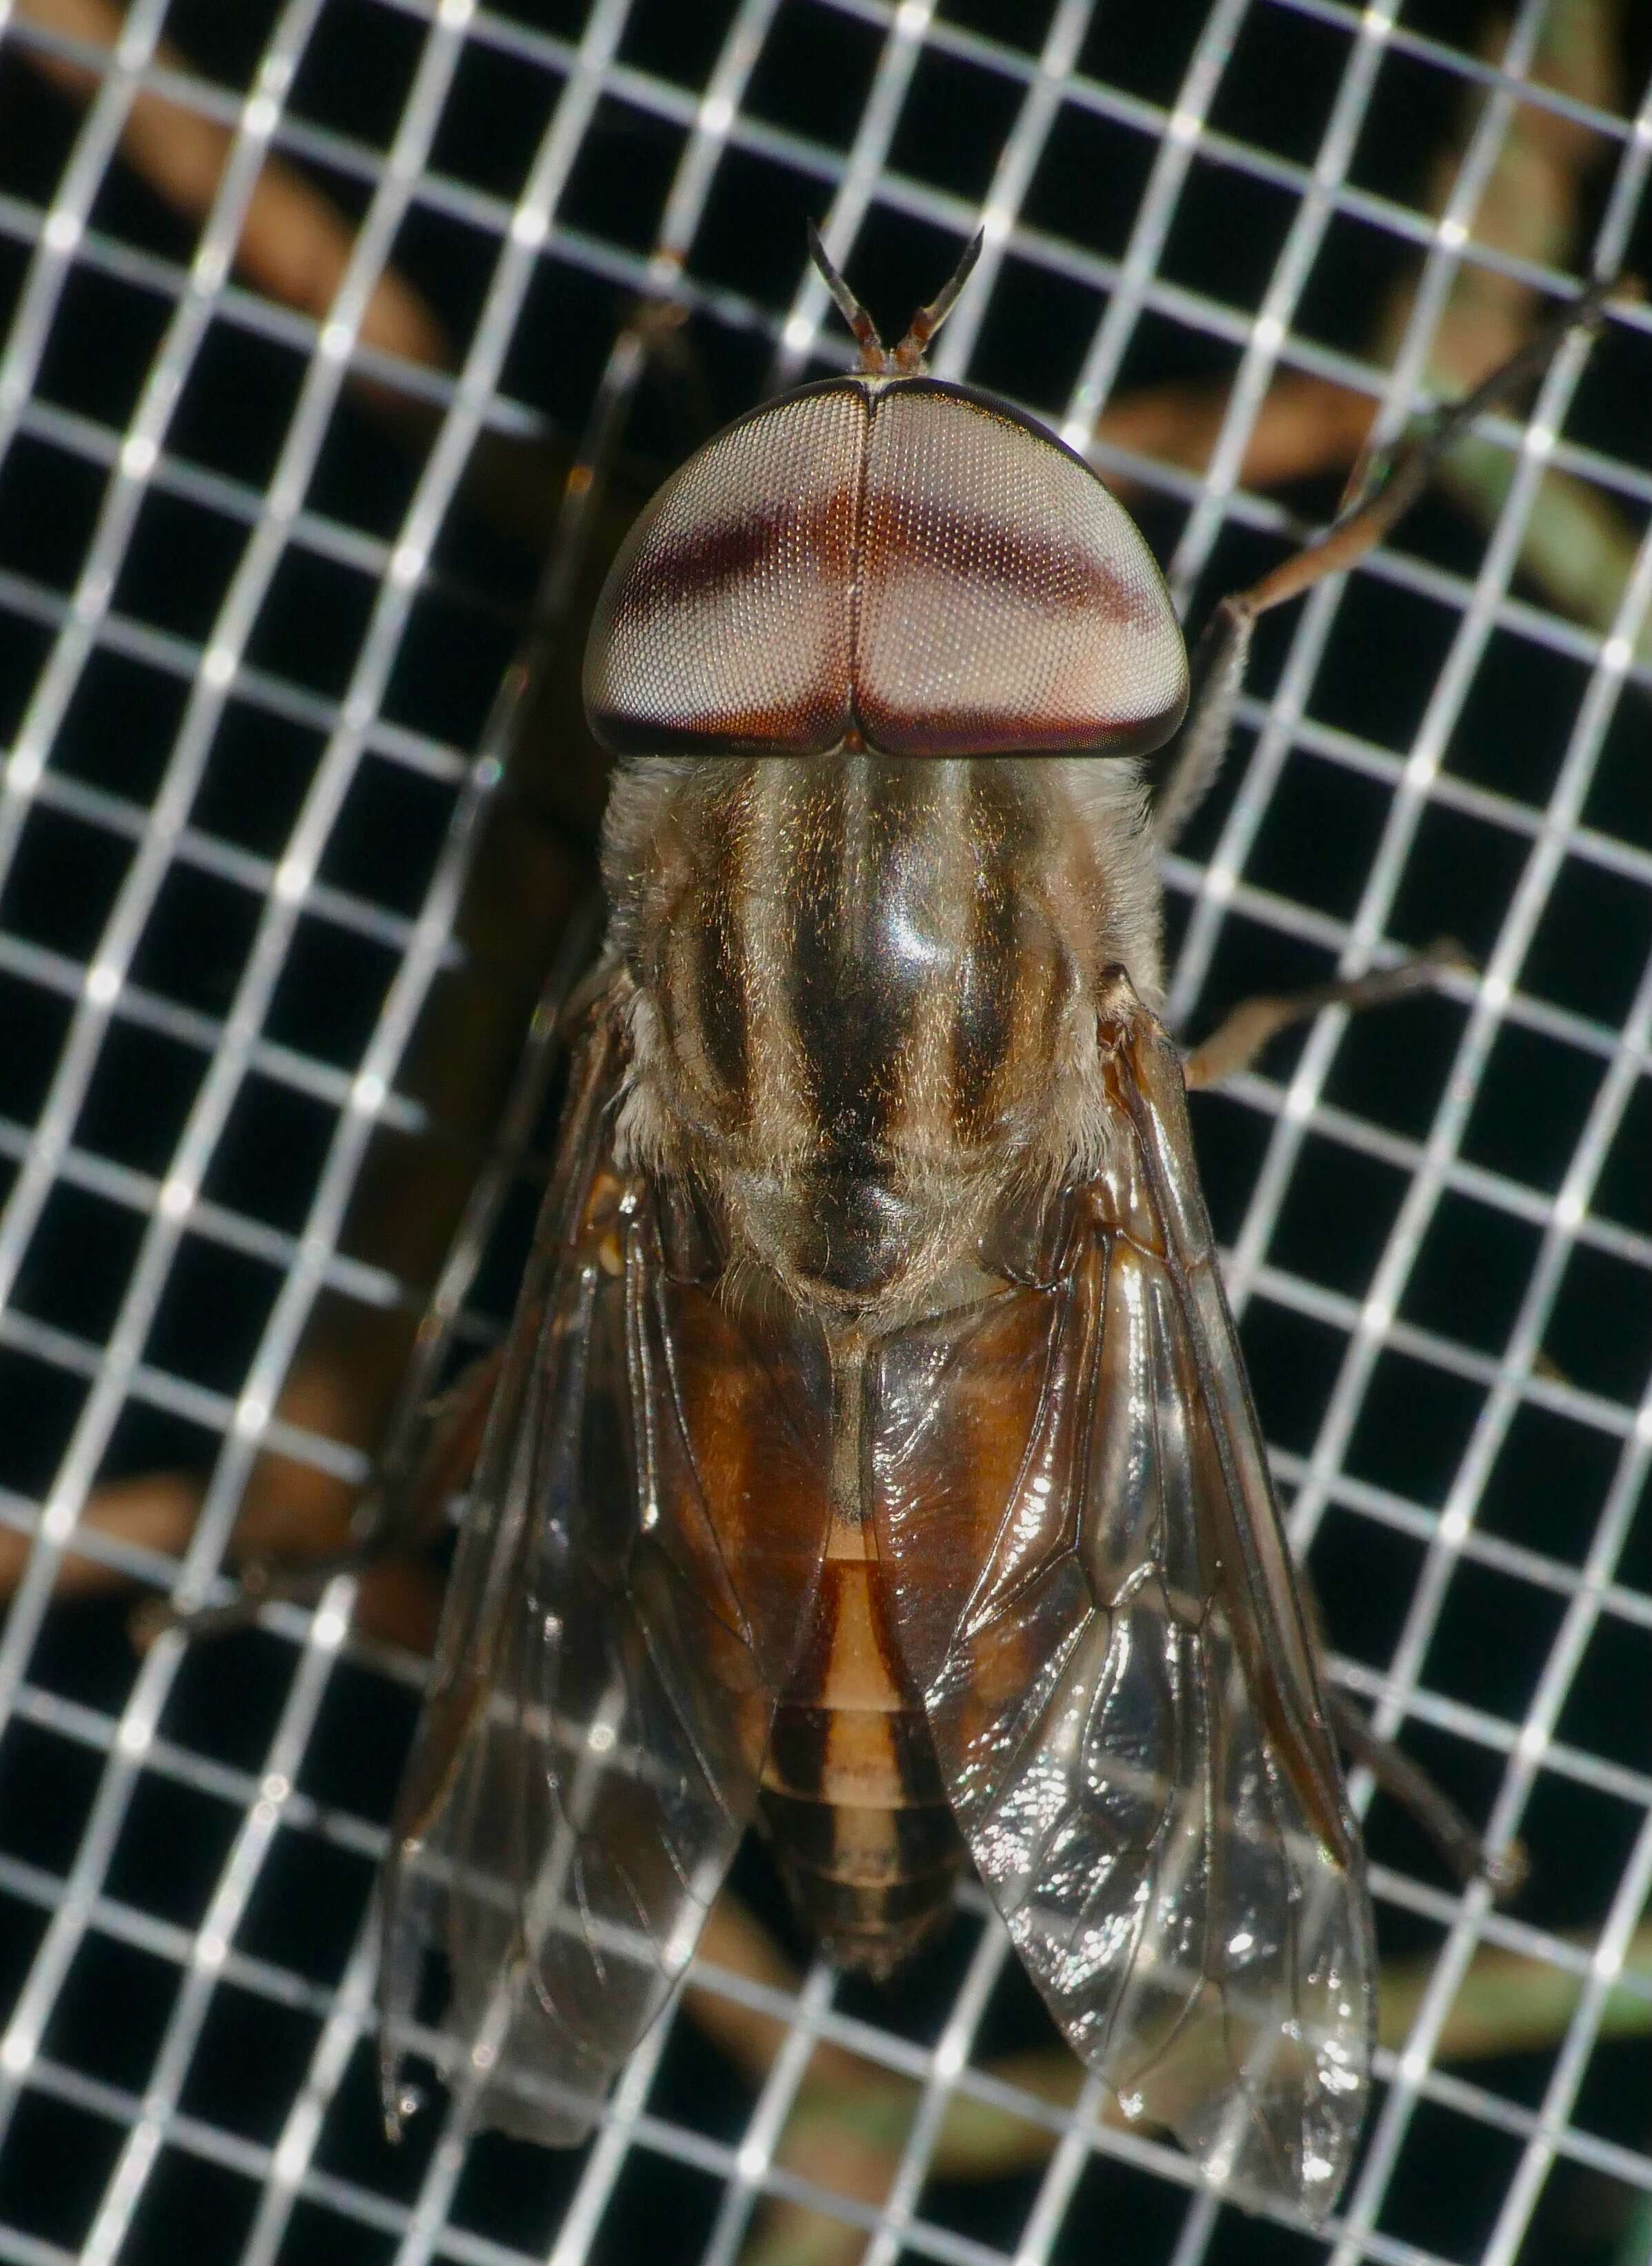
890 563
878 661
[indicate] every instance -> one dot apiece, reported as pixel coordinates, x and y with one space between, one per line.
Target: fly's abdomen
852 1793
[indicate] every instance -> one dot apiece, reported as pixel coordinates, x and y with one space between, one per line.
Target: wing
644 1536
1091 1587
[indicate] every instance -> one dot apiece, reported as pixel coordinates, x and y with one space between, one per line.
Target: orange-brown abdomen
852 1793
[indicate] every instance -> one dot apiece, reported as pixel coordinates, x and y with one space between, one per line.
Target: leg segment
1383 489
1240 1037
1460 1849
431 1440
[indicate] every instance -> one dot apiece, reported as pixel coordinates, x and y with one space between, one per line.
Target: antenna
873 354
909 356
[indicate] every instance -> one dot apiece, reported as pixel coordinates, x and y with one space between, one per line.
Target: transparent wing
1092 1589
639 1560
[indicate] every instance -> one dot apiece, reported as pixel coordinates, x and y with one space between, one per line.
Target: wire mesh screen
327 323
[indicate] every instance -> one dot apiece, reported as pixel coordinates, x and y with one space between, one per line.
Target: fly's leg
401 1513
1233 1045
1383 489
1238 1039
423 1427
1460 1849
431 1439
423 1459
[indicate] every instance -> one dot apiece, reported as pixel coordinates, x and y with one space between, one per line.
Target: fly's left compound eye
1007 603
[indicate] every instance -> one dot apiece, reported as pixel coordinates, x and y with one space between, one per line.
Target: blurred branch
1576 546
294 245
156 1512
851 2117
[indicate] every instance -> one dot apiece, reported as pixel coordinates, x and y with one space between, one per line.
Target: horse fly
871 1456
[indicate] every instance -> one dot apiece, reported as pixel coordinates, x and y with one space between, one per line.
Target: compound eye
725 621
1006 603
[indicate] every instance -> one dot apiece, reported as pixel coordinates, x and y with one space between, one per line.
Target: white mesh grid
1501 1300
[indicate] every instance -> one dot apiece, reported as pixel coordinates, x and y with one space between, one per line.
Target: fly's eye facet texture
908 562
724 619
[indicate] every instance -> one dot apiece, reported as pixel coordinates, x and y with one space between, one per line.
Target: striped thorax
865 1014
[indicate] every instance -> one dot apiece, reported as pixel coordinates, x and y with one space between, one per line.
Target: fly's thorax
865 993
